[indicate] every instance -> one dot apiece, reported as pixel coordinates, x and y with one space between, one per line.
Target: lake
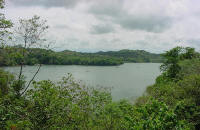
128 81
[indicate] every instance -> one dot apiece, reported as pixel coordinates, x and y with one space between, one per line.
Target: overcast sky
94 25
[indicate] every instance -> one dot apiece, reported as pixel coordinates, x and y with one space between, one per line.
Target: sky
109 25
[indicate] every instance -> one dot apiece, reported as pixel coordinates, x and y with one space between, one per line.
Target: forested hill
134 55
125 55
67 57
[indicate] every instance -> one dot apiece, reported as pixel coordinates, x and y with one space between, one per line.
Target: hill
67 57
134 55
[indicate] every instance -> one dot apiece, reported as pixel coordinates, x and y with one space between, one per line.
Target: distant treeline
12 56
136 56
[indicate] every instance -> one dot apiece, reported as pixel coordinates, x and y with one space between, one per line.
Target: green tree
157 116
171 66
4 25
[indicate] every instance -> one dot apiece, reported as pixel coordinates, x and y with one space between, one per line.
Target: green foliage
134 56
189 112
42 56
4 26
178 86
5 81
190 88
189 67
158 116
13 113
67 105
171 65
36 56
12 108
2 4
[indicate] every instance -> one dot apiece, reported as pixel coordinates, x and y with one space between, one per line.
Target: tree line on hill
136 56
10 56
42 56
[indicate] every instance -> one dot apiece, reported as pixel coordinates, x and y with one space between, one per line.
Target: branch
20 73
31 80
22 63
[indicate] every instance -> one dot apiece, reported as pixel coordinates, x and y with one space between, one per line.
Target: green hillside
134 55
43 56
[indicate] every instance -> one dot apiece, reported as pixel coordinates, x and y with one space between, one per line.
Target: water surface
128 80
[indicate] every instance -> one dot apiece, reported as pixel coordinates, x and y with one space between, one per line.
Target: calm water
128 80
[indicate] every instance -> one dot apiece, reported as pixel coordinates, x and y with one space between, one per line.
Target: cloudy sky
94 25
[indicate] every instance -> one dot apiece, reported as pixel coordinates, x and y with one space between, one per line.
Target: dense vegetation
173 102
178 86
134 56
44 56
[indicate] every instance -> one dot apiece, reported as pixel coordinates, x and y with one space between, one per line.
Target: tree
4 25
170 66
2 4
189 53
32 33
172 57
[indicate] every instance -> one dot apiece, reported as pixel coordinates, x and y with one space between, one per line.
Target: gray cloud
145 21
112 9
61 26
124 24
46 3
102 29
194 42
